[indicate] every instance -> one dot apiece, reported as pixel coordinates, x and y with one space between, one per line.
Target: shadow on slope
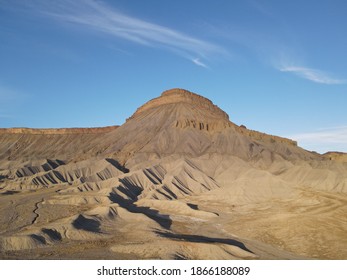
203 239
86 224
38 238
193 206
10 192
163 220
52 233
117 165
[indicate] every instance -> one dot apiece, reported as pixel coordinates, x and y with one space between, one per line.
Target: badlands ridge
178 180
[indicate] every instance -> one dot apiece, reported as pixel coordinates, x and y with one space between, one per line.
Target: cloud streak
333 135
96 15
313 75
327 139
198 62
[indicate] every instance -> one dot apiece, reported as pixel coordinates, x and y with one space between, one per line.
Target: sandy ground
41 224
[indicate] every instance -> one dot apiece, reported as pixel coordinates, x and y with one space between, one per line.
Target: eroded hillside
177 180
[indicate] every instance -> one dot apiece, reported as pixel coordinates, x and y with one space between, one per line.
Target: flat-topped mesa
176 95
57 131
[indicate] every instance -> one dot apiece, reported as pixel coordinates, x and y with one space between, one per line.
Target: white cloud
313 75
96 15
198 62
323 140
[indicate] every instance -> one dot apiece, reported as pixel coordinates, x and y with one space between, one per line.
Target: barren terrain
178 180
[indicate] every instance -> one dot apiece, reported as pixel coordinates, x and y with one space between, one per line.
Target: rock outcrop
176 95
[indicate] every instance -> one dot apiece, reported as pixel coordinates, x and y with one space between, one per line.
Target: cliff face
174 96
266 137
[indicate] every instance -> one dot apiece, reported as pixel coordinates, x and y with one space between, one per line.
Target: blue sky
278 67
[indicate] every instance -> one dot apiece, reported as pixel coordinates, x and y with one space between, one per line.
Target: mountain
177 180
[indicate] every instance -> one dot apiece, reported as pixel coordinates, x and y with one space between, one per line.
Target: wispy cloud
313 75
96 15
323 140
277 45
333 135
198 62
